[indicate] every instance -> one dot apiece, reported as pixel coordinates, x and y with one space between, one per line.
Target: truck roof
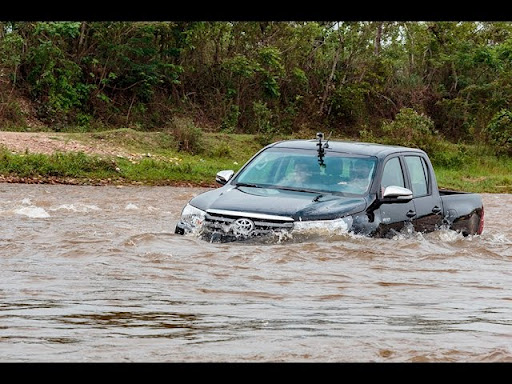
353 147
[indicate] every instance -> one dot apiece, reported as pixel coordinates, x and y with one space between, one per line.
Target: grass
472 168
477 178
157 160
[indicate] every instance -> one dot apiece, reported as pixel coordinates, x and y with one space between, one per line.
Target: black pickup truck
301 185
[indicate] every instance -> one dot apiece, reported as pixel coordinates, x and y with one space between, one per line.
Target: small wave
77 207
499 238
131 206
32 212
496 355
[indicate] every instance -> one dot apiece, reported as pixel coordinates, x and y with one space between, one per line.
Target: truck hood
302 206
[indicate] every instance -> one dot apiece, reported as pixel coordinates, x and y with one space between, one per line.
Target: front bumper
182 228
223 227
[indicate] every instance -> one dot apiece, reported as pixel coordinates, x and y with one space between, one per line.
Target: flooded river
96 274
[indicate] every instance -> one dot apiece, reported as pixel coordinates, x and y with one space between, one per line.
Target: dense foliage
452 79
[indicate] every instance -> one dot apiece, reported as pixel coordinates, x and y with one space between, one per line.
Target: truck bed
446 192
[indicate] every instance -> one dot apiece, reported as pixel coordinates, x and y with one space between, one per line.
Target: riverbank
129 157
122 156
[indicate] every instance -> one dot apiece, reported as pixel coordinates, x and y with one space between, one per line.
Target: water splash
33 212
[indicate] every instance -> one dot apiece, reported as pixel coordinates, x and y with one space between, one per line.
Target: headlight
192 216
341 225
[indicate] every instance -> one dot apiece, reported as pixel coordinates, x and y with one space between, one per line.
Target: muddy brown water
96 274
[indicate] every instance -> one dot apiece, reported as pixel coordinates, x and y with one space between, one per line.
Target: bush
266 130
188 136
230 121
412 129
450 156
499 132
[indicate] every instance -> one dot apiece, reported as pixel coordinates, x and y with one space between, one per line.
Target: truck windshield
299 169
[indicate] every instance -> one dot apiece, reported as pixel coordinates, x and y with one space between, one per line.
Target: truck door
427 202
394 216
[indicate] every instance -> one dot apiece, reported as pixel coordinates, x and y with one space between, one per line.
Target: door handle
411 214
436 209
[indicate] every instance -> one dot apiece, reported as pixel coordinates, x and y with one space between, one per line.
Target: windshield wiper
316 198
248 185
296 189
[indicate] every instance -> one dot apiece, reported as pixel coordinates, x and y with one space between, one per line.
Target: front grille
244 224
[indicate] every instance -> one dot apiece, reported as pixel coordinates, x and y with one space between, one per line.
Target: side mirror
223 177
398 194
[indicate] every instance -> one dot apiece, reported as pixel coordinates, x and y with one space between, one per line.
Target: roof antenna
321 151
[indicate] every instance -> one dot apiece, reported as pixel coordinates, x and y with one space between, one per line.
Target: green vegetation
198 96
266 78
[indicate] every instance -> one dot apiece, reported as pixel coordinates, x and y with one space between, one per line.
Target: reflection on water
97 274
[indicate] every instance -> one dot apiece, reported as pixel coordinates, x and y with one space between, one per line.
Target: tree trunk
81 39
378 38
331 76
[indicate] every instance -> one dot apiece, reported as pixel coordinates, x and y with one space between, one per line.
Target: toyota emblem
243 227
